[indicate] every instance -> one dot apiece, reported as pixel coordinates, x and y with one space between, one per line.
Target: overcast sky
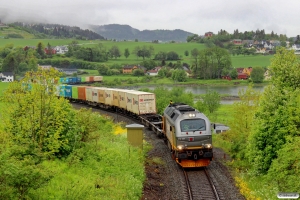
196 16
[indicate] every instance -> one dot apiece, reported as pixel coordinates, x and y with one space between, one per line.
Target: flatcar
189 135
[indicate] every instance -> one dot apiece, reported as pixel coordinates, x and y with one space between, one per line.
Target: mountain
41 30
126 32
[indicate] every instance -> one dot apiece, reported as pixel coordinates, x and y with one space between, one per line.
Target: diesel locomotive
188 135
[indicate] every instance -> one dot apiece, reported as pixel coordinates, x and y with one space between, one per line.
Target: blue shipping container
72 80
68 91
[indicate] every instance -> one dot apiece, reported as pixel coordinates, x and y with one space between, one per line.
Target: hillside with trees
126 32
56 31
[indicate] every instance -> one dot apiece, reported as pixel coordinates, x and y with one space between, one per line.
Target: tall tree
195 56
40 50
126 53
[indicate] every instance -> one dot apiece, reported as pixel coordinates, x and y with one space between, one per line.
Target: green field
179 48
251 61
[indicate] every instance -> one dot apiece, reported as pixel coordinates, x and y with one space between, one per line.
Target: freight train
186 131
79 80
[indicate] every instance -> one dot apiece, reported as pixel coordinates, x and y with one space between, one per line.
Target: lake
202 89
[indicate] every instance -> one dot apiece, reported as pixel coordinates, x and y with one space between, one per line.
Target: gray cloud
189 15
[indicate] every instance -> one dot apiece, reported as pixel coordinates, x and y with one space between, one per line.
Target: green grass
251 61
223 115
10 30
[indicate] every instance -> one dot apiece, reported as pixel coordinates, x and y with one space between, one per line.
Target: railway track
199 185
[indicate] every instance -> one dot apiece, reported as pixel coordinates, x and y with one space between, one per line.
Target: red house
237 41
241 74
49 51
208 34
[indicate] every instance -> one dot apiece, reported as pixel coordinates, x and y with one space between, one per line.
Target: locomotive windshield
193 125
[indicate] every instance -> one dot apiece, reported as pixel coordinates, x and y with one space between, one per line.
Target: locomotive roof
181 107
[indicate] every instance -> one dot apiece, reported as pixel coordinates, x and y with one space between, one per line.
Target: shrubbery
48 150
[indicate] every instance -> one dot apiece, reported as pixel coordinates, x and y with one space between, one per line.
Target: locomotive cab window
192 125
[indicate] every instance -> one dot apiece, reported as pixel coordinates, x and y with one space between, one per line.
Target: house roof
7 73
152 71
128 67
240 70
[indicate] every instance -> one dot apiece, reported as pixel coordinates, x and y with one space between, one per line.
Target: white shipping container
141 102
98 78
122 99
115 98
108 96
95 94
101 95
88 94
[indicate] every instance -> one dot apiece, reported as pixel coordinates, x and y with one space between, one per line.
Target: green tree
144 51
195 57
179 75
212 100
242 122
40 50
172 55
186 53
257 74
138 72
233 74
102 69
115 52
276 118
148 64
285 169
10 63
126 53
161 56
37 118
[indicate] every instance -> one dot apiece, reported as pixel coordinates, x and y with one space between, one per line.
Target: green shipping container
74 92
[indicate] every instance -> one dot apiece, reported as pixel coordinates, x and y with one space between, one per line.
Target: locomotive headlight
180 147
192 115
208 146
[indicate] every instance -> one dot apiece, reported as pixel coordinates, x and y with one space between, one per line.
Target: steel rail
212 184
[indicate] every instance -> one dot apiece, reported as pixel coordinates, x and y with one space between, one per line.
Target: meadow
179 48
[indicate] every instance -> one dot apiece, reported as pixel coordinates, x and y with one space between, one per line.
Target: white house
296 47
6 76
153 72
61 49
